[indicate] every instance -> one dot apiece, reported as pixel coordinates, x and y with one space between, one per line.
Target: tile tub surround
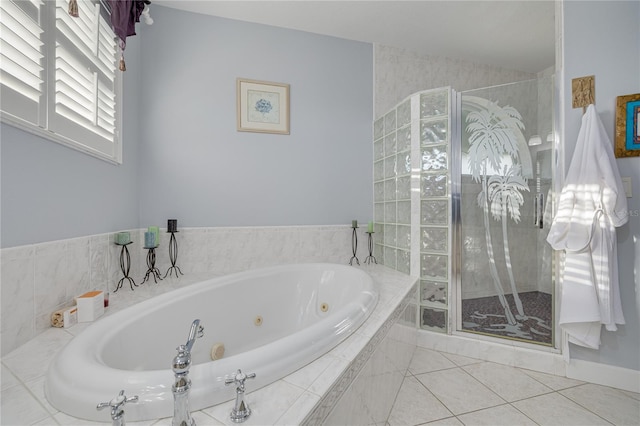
41 278
287 401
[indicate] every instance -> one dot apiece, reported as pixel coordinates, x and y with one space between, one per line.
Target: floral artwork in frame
627 142
263 106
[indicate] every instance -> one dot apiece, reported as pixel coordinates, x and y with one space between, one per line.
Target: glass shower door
505 276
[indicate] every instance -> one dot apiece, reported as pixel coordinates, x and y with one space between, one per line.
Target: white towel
591 205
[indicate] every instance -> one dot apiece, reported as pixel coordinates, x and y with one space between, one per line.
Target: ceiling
507 33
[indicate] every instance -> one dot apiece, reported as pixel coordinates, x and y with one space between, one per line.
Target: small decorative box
90 306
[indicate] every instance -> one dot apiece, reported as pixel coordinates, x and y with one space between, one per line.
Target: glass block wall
411 197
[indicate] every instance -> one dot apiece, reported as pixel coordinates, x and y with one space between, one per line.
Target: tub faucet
117 404
182 383
241 410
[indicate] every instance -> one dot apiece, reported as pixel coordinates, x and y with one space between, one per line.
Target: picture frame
262 106
627 137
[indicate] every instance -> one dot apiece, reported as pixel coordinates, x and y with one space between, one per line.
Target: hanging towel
591 205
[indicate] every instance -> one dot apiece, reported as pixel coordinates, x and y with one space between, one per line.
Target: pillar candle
123 238
149 239
172 225
370 229
156 232
354 223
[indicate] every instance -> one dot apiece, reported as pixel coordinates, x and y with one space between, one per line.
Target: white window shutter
21 60
84 92
58 72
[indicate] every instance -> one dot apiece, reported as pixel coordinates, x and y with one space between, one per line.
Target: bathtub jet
270 321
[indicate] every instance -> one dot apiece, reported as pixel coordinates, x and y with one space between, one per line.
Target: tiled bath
38 279
288 401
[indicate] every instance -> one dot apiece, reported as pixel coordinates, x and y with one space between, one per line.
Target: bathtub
271 321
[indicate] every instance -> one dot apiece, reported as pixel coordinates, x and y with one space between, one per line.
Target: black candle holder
151 265
125 267
371 257
173 255
354 246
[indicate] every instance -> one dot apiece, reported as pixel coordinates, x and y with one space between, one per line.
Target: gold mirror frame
621 126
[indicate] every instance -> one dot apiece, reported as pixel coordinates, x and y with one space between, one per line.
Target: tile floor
446 389
439 389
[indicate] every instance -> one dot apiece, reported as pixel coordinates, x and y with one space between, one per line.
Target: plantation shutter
58 75
22 60
83 99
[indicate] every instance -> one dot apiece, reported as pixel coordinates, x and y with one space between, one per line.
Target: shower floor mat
485 315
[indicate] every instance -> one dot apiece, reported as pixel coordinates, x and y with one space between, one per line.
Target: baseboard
603 374
545 361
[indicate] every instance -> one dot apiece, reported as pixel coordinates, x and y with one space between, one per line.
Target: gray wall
183 157
603 39
52 192
195 166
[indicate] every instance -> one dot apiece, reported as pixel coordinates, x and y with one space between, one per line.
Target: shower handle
538 210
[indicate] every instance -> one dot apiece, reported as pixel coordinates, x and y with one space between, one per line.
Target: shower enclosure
462 199
502 178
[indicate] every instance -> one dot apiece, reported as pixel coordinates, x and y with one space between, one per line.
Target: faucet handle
239 378
116 404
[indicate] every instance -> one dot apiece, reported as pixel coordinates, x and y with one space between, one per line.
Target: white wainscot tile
17 299
77 277
99 260
51 270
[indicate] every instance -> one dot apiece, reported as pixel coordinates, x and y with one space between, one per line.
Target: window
58 74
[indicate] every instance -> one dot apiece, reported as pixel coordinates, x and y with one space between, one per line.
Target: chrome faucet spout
196 331
182 383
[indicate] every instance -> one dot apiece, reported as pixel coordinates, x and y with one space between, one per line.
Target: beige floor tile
508 382
459 391
416 405
551 380
451 421
502 415
19 407
460 360
426 360
553 409
609 403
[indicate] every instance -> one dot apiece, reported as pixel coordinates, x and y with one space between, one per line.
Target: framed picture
263 106
628 126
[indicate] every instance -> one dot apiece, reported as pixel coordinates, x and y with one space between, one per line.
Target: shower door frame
455 301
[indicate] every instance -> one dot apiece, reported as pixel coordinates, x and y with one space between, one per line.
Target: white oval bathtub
133 349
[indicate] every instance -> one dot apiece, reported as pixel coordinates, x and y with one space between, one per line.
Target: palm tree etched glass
492 144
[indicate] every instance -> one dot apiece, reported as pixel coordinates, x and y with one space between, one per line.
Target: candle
354 223
149 239
370 228
123 238
172 225
156 232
